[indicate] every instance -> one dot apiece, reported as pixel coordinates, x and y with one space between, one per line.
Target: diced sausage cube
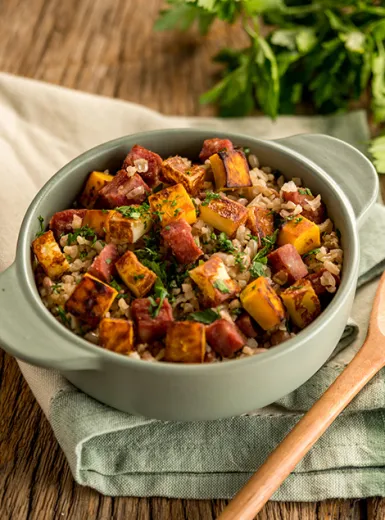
223 338
223 214
185 342
262 303
260 221
303 234
214 281
246 325
151 328
95 182
178 236
90 300
215 145
103 266
316 215
287 259
231 170
66 221
171 204
302 303
135 275
150 171
123 190
49 256
176 170
116 335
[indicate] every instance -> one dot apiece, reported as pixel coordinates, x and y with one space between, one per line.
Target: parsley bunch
325 53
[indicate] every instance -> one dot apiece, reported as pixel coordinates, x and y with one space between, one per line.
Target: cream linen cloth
42 127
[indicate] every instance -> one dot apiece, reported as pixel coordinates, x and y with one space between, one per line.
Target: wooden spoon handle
252 497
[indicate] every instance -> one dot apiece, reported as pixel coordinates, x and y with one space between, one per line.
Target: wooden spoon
367 362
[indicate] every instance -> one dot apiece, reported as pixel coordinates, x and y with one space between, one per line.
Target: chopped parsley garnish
118 288
167 228
210 195
295 219
83 254
207 316
160 293
138 277
41 224
239 261
104 211
224 243
221 286
312 252
257 267
85 232
158 188
135 212
63 316
304 191
56 288
108 260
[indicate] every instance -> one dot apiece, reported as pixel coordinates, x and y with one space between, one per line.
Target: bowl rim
28 285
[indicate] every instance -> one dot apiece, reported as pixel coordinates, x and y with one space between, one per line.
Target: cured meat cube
179 238
215 145
185 342
246 325
316 215
116 335
260 221
90 300
287 259
103 266
150 171
223 338
151 328
66 221
123 190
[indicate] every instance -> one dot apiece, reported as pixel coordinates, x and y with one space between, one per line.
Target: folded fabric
41 128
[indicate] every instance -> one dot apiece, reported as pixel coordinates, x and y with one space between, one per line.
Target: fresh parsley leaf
85 232
304 191
63 316
207 316
135 212
209 196
160 294
41 224
221 286
312 252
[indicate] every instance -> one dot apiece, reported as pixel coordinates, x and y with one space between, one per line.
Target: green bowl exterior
165 390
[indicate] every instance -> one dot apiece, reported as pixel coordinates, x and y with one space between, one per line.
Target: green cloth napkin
41 128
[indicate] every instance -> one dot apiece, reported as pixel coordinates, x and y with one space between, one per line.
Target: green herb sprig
259 262
320 53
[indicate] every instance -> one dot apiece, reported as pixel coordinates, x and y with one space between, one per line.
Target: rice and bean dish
189 262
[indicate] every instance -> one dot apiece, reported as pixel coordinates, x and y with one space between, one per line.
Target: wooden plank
106 47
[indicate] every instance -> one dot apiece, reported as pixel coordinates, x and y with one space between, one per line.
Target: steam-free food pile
186 261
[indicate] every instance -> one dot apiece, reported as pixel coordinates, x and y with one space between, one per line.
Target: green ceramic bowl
190 392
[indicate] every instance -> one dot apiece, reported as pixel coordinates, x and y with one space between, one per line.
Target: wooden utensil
277 467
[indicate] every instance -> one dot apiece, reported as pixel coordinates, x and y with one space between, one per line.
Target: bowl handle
347 166
25 335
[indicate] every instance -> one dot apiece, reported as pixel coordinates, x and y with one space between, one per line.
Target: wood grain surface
108 47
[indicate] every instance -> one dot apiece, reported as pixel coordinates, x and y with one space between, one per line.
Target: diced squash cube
302 233
116 335
98 220
135 275
262 303
90 300
260 221
214 281
223 214
175 170
185 342
302 303
230 170
49 255
172 204
124 230
95 182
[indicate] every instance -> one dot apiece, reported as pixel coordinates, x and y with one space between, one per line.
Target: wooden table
107 47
